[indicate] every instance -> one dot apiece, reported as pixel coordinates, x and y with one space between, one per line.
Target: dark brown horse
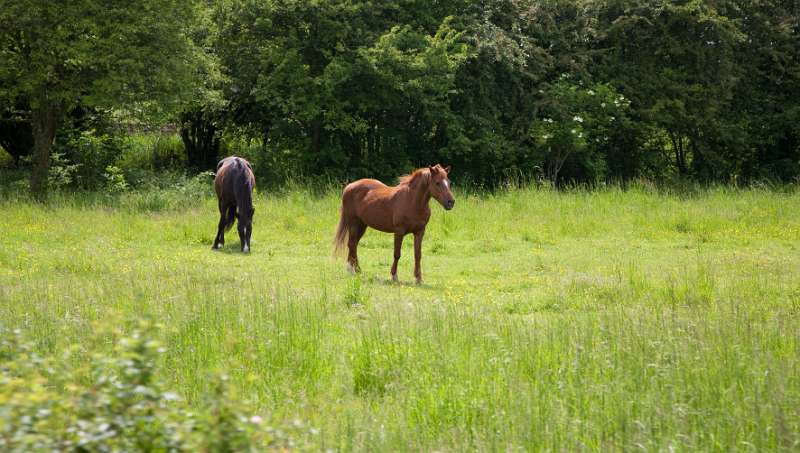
400 210
234 186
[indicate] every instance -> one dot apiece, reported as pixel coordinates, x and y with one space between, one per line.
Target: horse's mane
415 177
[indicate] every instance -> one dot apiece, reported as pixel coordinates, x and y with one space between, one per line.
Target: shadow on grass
379 279
233 249
403 284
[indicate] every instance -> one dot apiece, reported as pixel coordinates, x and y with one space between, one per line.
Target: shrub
148 155
14 182
169 191
115 179
61 172
272 168
91 152
6 159
121 406
575 128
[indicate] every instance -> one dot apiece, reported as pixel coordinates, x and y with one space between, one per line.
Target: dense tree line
568 90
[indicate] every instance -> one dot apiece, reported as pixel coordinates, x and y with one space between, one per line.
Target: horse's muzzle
449 204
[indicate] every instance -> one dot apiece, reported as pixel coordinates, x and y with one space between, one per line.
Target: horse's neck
420 194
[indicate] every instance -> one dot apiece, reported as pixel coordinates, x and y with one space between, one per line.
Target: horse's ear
447 169
433 170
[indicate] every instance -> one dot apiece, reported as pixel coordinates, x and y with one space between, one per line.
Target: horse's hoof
245 249
395 279
419 281
350 269
216 247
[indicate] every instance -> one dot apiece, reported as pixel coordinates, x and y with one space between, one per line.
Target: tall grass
579 320
153 152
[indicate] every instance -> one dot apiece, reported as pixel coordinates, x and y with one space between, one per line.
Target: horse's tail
230 217
342 232
244 199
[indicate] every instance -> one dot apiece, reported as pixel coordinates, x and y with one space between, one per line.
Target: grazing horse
400 210
234 186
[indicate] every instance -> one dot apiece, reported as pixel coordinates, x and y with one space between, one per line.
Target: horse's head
440 186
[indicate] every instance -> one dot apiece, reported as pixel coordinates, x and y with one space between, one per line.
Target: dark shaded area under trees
570 91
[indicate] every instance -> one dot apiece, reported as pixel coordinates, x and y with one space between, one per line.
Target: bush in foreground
117 404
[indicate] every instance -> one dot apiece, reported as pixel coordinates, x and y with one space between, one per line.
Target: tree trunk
316 130
680 153
200 139
555 164
44 124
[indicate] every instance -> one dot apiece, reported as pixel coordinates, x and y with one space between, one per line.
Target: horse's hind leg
219 241
357 230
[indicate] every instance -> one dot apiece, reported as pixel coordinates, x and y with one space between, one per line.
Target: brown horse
400 210
234 186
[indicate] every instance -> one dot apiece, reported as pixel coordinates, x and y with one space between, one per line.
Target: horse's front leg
243 236
398 245
249 234
418 255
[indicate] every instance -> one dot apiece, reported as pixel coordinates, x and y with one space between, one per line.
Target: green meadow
600 320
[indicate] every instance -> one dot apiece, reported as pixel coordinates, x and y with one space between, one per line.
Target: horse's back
365 190
231 162
363 185
233 174
371 201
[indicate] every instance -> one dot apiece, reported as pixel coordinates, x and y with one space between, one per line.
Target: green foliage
91 152
149 155
115 404
6 160
62 172
115 179
57 56
101 54
337 86
89 160
339 89
577 125
168 192
349 88
677 63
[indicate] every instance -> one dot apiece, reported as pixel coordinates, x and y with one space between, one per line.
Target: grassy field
606 320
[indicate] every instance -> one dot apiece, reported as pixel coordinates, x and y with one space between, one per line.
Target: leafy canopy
106 54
